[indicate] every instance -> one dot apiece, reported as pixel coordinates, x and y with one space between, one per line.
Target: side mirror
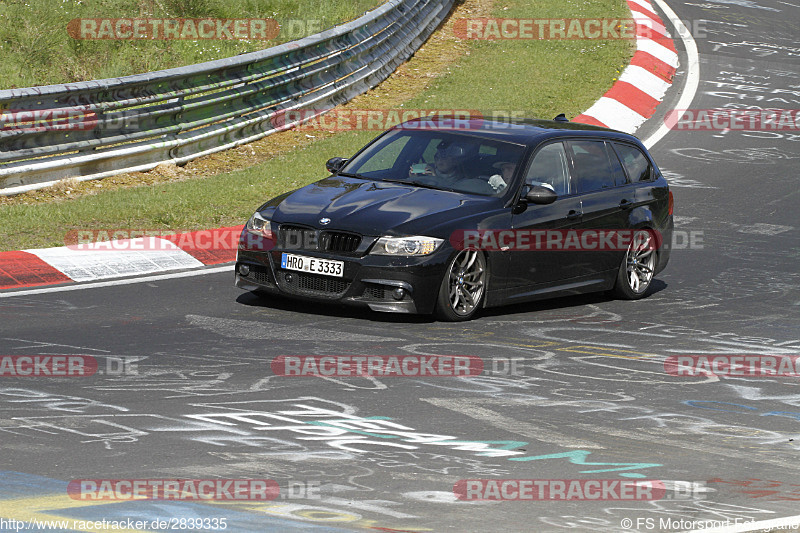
539 194
335 164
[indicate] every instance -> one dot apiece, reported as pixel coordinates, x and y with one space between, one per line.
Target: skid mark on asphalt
472 409
600 349
255 330
29 344
594 350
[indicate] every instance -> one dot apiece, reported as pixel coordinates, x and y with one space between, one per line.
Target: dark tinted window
549 166
635 162
593 169
385 158
440 159
616 166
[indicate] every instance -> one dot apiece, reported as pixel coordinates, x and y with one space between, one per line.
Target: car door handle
625 204
572 215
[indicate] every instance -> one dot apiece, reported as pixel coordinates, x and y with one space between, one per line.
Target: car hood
376 207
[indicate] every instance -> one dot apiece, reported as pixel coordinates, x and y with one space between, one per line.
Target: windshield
440 160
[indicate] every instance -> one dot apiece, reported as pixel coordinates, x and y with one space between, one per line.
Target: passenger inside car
449 170
549 168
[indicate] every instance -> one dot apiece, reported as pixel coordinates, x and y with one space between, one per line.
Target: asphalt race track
572 389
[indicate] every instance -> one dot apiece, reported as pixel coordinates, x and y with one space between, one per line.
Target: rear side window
549 167
593 170
616 167
636 164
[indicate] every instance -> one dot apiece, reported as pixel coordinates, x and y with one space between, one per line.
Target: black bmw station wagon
449 216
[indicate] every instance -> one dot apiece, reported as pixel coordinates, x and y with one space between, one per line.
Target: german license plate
312 265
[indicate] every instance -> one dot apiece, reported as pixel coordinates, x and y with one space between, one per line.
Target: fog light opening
398 293
244 270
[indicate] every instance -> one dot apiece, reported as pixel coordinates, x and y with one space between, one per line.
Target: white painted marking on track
692 71
134 256
645 4
761 228
683 221
645 81
657 50
615 115
111 283
255 329
653 25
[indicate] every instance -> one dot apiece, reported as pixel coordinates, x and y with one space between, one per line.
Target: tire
463 287
638 266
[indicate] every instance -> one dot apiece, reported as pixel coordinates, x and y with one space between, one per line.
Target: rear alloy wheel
637 269
462 288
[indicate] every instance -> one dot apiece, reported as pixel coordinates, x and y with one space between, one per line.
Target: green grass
35 48
222 200
539 77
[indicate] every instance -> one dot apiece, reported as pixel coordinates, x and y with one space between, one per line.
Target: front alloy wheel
462 288
636 271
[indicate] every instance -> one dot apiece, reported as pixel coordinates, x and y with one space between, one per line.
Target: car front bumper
381 283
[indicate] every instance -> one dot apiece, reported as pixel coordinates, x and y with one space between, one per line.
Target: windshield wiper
420 184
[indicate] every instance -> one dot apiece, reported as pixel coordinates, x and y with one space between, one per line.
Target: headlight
259 225
406 245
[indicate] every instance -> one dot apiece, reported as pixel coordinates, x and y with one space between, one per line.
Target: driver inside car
500 181
448 171
447 165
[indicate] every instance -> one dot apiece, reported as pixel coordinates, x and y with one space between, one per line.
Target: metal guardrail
135 123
